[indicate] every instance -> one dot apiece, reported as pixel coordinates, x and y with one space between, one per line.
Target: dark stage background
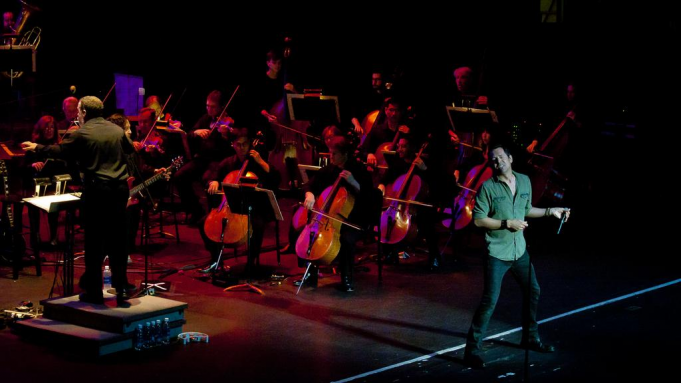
197 46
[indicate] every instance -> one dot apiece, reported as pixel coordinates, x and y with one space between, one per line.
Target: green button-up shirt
494 200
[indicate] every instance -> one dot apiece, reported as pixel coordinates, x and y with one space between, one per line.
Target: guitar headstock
177 163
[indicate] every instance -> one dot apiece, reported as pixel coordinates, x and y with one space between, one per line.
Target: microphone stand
145 225
222 248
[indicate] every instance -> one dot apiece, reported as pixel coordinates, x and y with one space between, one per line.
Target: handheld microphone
562 219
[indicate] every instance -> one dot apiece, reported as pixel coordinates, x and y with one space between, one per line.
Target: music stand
320 110
17 58
52 204
313 107
305 169
241 199
469 123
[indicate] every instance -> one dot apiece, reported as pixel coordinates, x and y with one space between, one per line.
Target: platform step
83 340
108 317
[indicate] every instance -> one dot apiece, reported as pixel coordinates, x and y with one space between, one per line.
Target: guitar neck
148 182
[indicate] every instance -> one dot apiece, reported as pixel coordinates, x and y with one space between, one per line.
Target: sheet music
53 203
270 195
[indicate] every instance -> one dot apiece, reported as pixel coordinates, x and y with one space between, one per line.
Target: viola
320 239
396 225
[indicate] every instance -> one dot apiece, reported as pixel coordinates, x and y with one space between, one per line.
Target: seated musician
465 96
45 133
424 217
210 141
328 134
357 182
367 100
267 177
478 156
70 109
385 130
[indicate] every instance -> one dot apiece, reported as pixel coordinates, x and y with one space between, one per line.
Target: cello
320 239
465 201
236 227
396 225
544 177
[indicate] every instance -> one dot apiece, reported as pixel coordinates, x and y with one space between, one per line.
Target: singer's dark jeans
495 270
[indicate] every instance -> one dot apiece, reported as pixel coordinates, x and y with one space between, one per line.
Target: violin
320 239
396 225
153 142
224 125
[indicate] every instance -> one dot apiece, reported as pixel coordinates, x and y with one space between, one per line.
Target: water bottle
153 334
138 341
146 343
107 278
159 333
165 331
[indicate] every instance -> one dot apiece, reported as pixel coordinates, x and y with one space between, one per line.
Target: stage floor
609 304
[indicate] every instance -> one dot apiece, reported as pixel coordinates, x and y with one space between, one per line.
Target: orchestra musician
385 131
210 141
8 26
70 109
149 143
424 217
368 100
272 87
562 154
44 133
244 150
154 103
328 134
466 95
357 181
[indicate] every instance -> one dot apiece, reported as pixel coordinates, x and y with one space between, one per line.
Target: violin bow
107 95
224 110
156 119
